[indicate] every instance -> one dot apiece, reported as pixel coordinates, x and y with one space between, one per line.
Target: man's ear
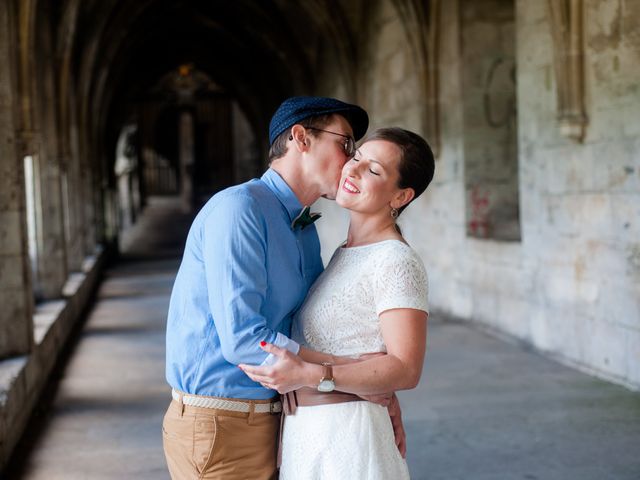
299 137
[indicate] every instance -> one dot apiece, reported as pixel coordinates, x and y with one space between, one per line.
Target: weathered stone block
47 316
605 347
11 271
541 329
620 299
16 393
570 331
618 169
12 190
11 242
512 316
4 454
579 215
569 171
457 299
35 371
10 370
633 356
15 325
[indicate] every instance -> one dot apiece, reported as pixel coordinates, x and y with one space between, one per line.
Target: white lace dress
352 440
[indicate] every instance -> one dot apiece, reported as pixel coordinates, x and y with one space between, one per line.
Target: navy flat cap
295 109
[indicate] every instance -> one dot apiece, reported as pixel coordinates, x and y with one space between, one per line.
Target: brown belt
309 397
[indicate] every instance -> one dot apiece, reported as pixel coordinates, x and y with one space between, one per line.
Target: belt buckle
272 408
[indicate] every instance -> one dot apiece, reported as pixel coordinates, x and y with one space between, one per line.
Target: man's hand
288 373
383 399
398 428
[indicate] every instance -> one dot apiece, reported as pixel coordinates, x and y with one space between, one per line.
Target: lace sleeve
401 282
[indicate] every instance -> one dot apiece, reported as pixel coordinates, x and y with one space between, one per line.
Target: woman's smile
349 187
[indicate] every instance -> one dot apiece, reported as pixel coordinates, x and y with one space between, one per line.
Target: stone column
567 28
89 190
72 188
52 260
186 160
92 190
16 298
72 196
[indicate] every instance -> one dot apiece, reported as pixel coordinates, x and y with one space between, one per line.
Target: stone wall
570 286
33 332
581 201
15 295
23 378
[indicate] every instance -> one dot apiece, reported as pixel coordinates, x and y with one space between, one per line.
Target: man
249 261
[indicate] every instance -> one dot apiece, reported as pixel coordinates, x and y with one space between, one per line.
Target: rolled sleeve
285 342
234 240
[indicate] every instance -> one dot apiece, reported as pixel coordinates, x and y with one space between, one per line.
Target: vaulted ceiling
260 52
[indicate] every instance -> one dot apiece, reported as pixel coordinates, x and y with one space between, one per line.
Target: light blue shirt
243 275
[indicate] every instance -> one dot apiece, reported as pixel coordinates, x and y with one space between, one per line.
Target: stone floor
485 409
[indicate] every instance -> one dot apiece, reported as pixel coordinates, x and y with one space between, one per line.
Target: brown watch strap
327 371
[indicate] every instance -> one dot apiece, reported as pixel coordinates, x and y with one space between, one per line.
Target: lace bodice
340 313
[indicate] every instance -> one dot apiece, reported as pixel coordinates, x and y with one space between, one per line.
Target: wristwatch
327 384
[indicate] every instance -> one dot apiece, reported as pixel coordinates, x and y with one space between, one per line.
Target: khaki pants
205 443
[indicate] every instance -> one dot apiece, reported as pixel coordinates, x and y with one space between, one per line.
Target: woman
372 297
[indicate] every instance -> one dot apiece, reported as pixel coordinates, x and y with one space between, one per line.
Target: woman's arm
311 356
404 331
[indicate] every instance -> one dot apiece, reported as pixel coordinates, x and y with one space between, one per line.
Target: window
31 212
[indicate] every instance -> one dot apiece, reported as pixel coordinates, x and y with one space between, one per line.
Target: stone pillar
52 261
72 188
567 27
186 160
16 298
72 197
90 210
89 187
70 200
93 211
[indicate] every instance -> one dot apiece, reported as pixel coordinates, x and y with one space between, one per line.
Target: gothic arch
421 22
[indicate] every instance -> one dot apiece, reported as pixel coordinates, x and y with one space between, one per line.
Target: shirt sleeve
282 341
235 263
400 281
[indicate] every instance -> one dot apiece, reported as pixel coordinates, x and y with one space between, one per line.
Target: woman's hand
289 373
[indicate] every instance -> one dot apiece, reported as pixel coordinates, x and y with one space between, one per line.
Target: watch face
326 386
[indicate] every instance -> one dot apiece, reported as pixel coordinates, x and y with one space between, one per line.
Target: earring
290 137
394 213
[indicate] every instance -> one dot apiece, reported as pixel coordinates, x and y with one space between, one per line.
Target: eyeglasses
349 145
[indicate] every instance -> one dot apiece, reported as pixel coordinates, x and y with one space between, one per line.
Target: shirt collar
283 193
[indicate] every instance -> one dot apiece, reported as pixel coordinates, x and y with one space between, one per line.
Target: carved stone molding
567 26
421 20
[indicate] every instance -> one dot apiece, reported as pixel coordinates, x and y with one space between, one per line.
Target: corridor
120 119
486 409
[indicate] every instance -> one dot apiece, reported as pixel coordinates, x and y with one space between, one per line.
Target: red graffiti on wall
479 224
